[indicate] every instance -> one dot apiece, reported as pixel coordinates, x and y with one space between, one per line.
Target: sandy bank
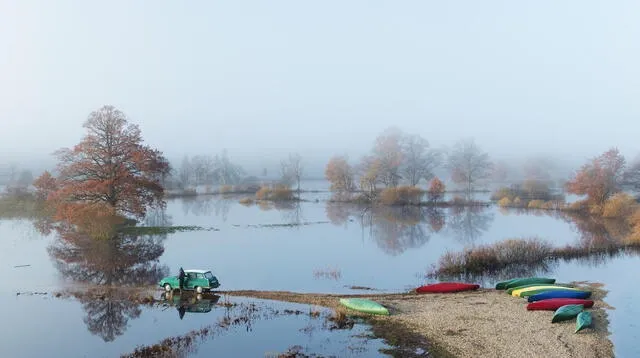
484 323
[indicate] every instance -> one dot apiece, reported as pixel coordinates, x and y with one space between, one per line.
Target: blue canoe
559 294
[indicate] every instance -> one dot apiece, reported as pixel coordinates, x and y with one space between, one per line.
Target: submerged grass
162 230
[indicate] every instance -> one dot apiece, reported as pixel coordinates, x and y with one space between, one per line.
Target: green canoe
525 281
535 292
502 285
583 320
363 305
566 312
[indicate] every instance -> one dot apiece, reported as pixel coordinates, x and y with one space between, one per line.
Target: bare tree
292 170
468 164
419 160
225 172
631 177
387 151
186 172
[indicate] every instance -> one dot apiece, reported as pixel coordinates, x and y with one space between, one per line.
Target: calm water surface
310 247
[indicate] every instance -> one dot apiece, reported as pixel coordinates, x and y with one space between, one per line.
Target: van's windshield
208 275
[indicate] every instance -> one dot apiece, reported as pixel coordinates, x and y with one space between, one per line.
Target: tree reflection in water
398 228
467 223
123 260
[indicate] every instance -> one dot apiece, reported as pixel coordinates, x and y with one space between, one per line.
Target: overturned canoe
447 287
524 281
559 294
364 305
566 312
528 291
583 321
510 290
553 304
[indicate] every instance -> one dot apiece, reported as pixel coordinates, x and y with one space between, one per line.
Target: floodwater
312 246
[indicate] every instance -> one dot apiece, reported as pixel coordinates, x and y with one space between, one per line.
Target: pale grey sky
262 78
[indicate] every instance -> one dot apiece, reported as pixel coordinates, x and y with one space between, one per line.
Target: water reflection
124 260
190 303
108 316
396 229
466 224
204 205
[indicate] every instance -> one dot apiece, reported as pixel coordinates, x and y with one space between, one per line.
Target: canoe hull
447 287
559 294
363 305
526 292
553 304
521 288
526 281
583 321
566 312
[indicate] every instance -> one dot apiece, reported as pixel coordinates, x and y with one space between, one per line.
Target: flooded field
311 246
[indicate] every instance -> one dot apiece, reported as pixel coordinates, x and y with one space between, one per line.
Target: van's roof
197 271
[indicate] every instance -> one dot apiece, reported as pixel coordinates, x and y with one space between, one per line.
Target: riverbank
483 323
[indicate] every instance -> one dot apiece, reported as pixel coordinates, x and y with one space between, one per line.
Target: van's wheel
167 287
198 289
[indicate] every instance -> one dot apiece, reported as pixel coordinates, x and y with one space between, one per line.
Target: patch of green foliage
23 207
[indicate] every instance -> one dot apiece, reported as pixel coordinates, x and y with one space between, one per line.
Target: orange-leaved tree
109 172
600 178
436 190
340 174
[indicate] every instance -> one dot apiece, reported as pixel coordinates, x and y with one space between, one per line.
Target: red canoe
553 304
447 287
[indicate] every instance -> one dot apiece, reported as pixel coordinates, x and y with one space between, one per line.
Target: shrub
246 201
619 205
536 204
436 190
494 257
502 193
505 202
277 192
402 195
517 202
225 189
263 193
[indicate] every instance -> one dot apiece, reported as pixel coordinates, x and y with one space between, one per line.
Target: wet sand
483 323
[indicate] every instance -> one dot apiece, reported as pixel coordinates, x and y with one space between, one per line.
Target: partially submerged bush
495 257
619 206
246 201
275 192
505 202
402 195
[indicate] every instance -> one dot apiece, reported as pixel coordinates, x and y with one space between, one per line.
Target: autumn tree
110 170
600 178
468 164
436 190
387 152
340 174
418 160
45 185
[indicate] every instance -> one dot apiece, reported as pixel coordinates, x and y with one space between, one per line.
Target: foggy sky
262 78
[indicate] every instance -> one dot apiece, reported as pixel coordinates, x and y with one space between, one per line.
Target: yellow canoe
518 293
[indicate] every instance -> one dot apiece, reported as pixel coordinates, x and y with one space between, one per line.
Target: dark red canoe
447 287
553 304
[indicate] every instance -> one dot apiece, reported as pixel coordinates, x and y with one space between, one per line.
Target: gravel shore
483 323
